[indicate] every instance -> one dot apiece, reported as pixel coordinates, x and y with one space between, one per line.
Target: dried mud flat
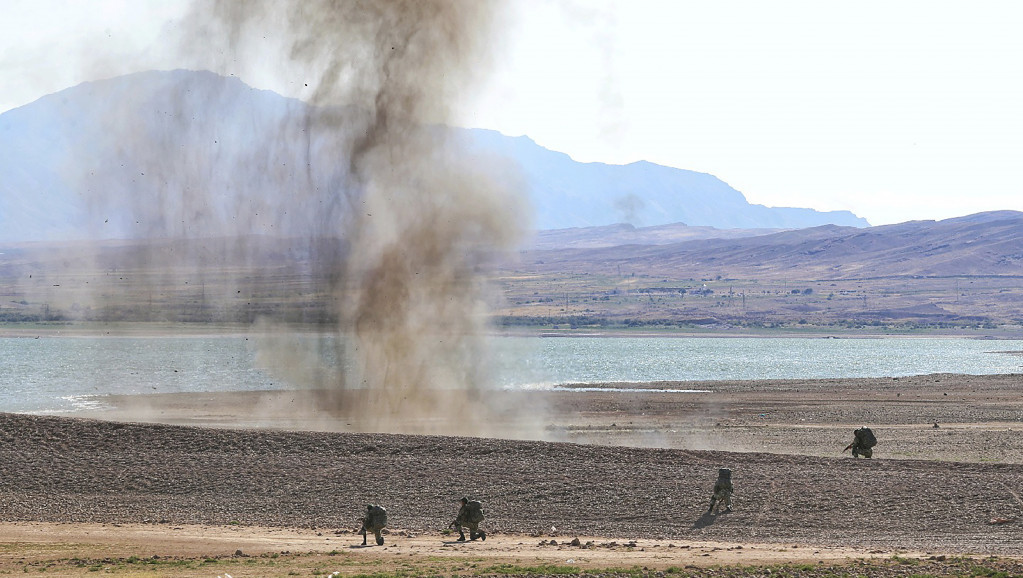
798 499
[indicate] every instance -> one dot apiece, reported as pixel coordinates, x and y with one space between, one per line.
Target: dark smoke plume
399 221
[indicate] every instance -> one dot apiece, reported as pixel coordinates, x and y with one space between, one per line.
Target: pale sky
893 110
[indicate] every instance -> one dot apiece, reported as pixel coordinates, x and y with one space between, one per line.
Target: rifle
848 447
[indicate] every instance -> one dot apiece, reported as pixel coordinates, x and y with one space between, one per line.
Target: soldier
375 521
469 514
722 491
863 441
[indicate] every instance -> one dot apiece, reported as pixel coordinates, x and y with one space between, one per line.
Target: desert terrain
957 277
239 484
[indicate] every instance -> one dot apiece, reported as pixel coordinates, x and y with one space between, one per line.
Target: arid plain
242 484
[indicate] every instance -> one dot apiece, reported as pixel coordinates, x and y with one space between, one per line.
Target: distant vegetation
557 301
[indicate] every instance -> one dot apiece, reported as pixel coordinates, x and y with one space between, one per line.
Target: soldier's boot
461 535
363 532
473 535
483 535
380 538
710 510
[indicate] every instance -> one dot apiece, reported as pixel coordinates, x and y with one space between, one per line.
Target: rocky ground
794 487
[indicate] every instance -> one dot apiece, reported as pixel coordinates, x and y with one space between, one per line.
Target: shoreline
983 413
147 329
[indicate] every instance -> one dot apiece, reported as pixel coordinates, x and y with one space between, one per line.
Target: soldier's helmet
464 500
725 473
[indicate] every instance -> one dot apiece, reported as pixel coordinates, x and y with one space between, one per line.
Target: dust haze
399 222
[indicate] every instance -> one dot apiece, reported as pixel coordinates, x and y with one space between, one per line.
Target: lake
63 373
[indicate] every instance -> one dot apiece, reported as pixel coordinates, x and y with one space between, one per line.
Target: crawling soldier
470 514
722 491
375 521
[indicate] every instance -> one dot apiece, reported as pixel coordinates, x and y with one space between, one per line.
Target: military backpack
376 516
475 511
865 437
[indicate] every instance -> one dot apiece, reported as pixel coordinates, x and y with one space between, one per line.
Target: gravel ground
75 470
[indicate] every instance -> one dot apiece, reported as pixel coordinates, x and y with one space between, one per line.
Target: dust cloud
394 215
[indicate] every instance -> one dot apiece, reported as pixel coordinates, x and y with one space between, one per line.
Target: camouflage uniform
470 514
375 521
722 491
863 441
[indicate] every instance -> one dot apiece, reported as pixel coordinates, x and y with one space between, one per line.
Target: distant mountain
984 244
203 150
568 194
156 154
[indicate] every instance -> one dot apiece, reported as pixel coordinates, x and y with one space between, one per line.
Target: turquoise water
55 373
62 373
559 360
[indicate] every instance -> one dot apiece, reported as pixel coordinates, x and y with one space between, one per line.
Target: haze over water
67 374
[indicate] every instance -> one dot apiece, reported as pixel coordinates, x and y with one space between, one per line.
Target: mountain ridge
984 243
960 274
195 129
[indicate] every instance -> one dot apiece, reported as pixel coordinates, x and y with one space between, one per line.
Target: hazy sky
893 110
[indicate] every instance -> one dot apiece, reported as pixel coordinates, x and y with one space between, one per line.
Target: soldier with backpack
469 514
375 521
722 491
863 441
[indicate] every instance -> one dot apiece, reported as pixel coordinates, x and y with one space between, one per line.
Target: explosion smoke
403 220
